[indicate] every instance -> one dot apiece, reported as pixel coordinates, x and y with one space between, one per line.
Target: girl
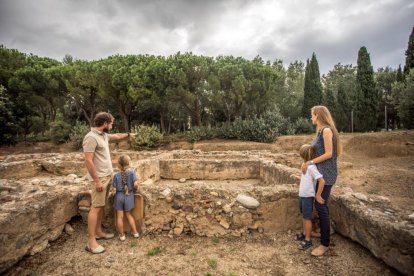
327 147
125 183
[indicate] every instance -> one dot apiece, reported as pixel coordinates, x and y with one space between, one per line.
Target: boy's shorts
99 198
306 207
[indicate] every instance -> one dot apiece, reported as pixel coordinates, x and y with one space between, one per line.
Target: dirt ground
373 163
256 254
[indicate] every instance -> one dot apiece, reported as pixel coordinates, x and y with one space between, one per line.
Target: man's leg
103 199
92 224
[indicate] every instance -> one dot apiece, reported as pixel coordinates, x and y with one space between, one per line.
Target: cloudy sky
285 29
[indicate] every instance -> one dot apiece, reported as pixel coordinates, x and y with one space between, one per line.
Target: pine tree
366 105
306 95
409 60
313 87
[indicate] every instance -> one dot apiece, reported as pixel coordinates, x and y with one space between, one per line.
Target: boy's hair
123 163
307 152
101 118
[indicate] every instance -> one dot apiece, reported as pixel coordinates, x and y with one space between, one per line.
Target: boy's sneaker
305 244
300 237
122 237
136 235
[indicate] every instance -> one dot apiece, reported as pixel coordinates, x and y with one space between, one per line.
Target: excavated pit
187 193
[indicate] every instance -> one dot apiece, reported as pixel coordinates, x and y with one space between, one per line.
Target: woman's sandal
99 249
319 251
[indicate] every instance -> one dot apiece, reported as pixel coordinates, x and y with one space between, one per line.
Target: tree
366 105
384 79
409 53
293 101
406 104
313 88
8 127
82 84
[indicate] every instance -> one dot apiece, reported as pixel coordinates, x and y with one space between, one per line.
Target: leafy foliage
60 132
303 126
146 137
77 133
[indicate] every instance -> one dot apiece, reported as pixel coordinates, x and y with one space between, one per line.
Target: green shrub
146 137
303 126
201 133
59 132
77 133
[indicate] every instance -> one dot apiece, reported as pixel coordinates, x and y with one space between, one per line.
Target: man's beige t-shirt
98 143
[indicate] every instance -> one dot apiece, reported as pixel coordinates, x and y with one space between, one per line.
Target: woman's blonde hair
123 164
325 119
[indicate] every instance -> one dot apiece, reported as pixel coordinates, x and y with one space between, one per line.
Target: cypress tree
409 53
343 110
400 75
366 105
313 87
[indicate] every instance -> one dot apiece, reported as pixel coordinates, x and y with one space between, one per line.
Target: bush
77 133
201 133
303 126
146 137
59 132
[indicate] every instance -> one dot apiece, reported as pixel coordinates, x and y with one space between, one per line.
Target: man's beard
106 130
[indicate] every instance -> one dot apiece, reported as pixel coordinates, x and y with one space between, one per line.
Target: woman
327 147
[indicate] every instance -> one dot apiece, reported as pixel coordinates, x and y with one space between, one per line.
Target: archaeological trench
187 192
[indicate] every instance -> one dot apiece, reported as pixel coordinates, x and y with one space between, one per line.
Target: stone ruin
189 192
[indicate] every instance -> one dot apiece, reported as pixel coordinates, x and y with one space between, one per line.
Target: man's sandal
99 249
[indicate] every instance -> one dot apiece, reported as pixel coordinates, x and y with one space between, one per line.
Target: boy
307 195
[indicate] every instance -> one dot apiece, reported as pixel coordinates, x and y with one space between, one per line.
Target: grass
229 237
215 240
212 263
194 253
133 244
156 250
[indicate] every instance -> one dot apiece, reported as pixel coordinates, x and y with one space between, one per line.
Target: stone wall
33 213
209 169
387 236
199 208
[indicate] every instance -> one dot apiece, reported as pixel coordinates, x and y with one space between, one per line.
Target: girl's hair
307 152
325 119
123 163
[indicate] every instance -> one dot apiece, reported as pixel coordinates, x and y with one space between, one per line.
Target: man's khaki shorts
99 198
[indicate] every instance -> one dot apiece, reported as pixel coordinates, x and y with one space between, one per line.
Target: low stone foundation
188 192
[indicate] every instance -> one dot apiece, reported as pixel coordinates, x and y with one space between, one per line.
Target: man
99 165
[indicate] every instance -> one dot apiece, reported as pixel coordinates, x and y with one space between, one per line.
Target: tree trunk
197 112
162 121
